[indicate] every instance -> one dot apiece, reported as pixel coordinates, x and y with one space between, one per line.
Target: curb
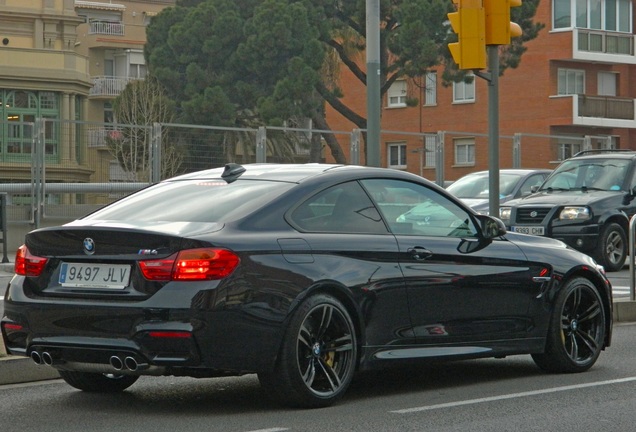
19 370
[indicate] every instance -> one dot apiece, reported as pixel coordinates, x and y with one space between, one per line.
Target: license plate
109 276
532 230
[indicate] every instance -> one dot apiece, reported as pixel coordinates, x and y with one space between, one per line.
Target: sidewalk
17 369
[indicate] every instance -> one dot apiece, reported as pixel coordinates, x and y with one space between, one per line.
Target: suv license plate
109 276
532 230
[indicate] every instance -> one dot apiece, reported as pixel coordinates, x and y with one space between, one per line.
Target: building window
610 15
561 14
571 81
430 148
396 96
464 151
21 109
464 91
567 150
430 89
397 155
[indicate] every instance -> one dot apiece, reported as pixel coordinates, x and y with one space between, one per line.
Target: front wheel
318 357
577 329
97 382
612 247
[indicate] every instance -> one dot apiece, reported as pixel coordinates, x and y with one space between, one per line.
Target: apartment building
574 89
65 61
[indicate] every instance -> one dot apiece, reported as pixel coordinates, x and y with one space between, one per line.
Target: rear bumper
138 341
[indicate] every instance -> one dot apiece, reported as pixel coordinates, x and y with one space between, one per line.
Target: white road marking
512 396
270 430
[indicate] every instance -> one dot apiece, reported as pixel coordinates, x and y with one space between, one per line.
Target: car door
460 288
351 246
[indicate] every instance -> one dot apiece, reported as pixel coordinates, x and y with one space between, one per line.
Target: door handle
419 253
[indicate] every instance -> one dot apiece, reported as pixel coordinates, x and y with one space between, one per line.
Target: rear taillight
27 264
191 264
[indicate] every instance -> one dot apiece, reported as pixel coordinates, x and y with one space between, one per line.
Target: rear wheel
577 329
96 382
612 247
318 357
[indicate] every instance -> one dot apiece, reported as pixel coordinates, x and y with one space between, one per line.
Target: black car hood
572 197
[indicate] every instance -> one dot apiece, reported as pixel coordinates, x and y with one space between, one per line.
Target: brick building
574 90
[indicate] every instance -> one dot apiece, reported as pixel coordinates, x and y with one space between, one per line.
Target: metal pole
373 83
493 130
632 231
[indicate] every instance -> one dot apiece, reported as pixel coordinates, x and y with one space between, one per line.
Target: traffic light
469 24
499 28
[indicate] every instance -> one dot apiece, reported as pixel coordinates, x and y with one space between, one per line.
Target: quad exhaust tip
116 362
36 357
43 358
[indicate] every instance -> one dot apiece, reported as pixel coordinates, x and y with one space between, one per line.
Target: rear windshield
193 201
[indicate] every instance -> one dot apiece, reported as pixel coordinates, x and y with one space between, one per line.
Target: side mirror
491 227
534 188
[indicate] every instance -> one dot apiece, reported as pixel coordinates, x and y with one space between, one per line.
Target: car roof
273 171
605 154
519 171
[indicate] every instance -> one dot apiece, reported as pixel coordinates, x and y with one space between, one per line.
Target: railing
605 42
106 28
606 107
109 86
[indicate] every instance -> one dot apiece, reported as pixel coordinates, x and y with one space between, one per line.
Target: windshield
590 174
476 186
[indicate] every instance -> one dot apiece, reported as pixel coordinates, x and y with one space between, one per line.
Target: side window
413 209
526 187
345 208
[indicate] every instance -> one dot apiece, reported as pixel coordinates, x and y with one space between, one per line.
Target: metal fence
56 171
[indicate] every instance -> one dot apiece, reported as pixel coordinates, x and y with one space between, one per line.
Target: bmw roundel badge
89 246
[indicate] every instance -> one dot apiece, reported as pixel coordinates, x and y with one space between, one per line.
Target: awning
99 5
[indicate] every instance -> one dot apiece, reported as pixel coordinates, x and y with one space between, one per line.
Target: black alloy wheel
318 357
577 329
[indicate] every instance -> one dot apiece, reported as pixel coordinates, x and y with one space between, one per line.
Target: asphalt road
491 395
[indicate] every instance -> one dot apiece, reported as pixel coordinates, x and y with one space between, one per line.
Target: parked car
587 202
302 274
474 188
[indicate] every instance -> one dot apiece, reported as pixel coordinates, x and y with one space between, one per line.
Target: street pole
493 130
373 83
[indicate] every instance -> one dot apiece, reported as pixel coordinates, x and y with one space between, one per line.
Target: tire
612 247
98 383
318 356
577 329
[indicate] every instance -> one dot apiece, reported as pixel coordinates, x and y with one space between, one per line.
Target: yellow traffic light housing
469 24
499 28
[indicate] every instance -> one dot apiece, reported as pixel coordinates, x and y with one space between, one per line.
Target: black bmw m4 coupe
303 274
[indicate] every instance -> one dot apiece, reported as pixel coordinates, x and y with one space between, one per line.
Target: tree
222 58
237 63
141 104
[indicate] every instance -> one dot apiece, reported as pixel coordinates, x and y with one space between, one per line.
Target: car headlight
504 213
575 213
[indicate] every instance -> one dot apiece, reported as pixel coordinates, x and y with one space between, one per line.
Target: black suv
586 202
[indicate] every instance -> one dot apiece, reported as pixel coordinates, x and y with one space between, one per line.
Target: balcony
109 87
603 46
604 111
97 136
106 28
